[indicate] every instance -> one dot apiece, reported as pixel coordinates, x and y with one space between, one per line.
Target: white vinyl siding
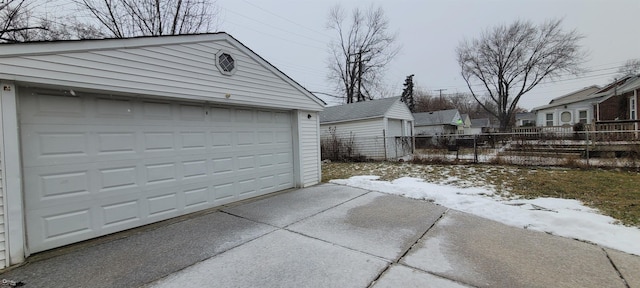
3 249
310 142
367 136
399 111
362 128
171 70
394 128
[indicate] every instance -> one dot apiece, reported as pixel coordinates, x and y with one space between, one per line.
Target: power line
274 27
286 19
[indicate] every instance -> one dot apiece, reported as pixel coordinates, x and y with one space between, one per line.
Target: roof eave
349 120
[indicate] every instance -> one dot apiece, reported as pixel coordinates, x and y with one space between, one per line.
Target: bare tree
128 18
19 23
361 53
508 61
630 67
425 102
16 21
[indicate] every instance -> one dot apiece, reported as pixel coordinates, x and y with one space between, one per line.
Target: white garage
102 136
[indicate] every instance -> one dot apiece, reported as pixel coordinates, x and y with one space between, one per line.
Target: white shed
99 136
372 126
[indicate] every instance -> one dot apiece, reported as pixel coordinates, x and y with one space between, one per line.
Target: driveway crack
397 260
616 268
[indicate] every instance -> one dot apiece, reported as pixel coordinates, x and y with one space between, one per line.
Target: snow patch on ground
563 217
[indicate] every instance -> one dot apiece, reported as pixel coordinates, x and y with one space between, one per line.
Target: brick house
621 100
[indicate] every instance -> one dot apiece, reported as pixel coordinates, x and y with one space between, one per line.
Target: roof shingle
358 110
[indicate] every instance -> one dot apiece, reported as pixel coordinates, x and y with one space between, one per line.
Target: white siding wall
3 253
310 146
399 111
394 128
573 108
396 147
367 135
363 128
182 70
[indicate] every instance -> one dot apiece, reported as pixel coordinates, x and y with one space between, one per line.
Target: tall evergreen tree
407 93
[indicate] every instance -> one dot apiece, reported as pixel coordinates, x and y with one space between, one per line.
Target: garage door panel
196 197
50 186
158 141
112 144
160 173
167 203
53 229
117 164
190 112
153 110
223 192
193 140
120 213
194 169
47 146
117 178
221 139
114 108
50 105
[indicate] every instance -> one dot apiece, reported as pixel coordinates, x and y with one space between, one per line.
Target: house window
549 119
582 116
632 108
226 63
565 117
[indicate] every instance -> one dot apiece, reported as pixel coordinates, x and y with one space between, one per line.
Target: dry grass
614 193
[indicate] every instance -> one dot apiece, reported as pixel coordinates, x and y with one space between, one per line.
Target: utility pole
359 65
360 76
440 90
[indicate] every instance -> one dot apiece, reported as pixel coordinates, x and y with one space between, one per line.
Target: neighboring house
466 124
372 125
566 110
525 119
616 102
620 100
100 136
443 122
480 126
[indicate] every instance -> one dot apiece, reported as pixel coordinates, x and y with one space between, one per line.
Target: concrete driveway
330 236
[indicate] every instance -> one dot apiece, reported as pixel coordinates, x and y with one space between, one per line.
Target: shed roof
436 117
358 110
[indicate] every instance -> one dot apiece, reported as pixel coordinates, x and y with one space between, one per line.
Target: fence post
384 143
475 149
587 131
413 144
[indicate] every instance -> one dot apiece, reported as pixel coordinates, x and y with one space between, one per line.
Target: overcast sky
291 34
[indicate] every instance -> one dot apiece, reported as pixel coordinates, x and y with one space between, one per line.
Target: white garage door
97 164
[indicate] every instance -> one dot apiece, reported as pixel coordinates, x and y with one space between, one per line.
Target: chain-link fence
541 147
